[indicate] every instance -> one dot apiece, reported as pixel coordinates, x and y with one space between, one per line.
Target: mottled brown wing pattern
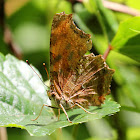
89 83
77 80
68 45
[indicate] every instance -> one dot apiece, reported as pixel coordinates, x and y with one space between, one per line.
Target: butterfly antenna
46 70
35 72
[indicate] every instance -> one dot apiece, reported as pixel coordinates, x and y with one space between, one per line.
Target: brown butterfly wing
90 82
68 45
82 79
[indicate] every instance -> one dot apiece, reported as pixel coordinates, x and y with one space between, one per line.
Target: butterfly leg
65 113
41 111
84 109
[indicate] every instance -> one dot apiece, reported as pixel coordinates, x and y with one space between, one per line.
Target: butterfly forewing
68 45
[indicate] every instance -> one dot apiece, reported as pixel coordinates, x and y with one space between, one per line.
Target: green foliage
22 95
127 39
106 18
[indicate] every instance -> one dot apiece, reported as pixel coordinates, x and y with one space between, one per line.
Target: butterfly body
59 98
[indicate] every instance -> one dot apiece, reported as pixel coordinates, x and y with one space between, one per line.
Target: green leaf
131 85
107 20
22 94
127 77
133 133
105 17
127 39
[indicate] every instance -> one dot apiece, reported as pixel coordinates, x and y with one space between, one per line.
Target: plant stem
132 109
3 133
116 121
119 8
107 51
74 131
120 127
7 33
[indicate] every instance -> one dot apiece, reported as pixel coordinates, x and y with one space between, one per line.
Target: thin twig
119 8
3 133
107 51
7 33
9 41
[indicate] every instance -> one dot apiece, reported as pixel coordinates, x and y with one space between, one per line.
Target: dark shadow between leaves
98 108
35 125
75 115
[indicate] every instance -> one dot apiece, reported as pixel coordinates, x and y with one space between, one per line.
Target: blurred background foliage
28 24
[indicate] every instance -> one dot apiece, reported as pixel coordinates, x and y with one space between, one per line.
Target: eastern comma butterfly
77 80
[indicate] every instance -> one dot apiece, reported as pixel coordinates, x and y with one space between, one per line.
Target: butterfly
77 80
